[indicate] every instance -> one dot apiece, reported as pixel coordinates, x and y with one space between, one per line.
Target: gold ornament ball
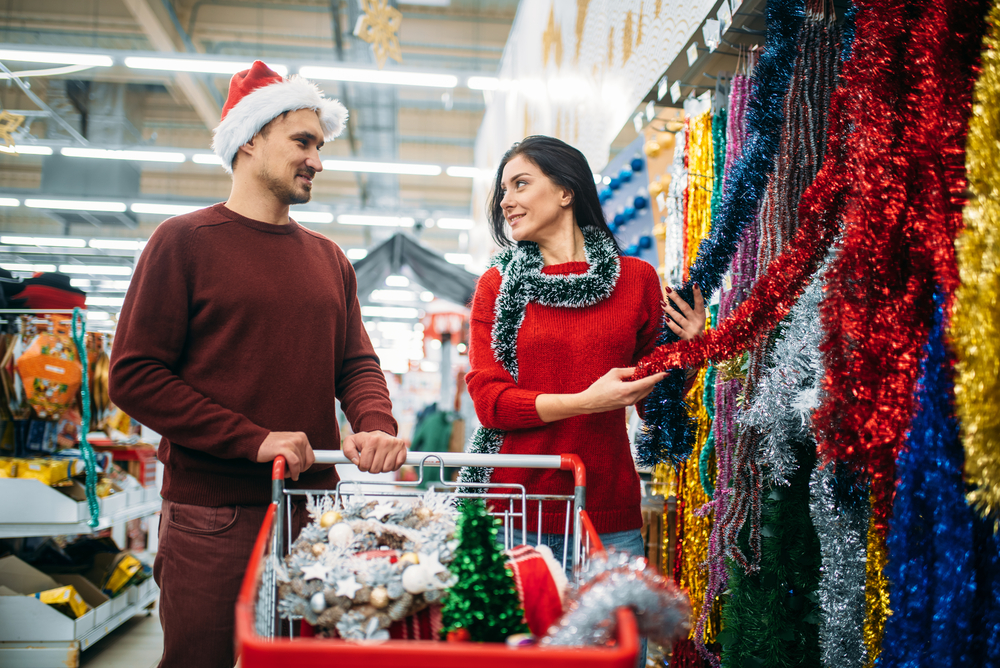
318 549
410 557
329 518
665 182
379 597
652 148
655 188
666 140
423 513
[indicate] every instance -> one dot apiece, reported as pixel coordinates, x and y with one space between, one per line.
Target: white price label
712 34
692 54
675 91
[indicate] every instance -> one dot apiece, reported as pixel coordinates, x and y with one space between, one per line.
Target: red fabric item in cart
563 350
233 328
536 587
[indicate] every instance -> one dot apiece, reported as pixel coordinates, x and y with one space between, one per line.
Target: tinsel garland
701 177
876 589
841 513
930 542
673 251
524 282
975 328
668 432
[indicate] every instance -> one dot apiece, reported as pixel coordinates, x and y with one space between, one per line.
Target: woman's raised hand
611 392
689 322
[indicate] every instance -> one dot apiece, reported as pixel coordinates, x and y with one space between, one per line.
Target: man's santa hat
259 95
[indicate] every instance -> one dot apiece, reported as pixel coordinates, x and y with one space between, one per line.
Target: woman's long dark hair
567 168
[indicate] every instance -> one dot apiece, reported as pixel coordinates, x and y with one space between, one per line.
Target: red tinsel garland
894 173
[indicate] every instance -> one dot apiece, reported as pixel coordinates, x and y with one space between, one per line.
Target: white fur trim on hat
263 105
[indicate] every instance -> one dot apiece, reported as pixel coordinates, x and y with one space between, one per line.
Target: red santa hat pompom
259 95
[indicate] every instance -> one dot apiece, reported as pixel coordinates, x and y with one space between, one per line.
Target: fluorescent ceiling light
205 65
55 57
464 172
382 167
311 216
9 201
113 286
79 205
456 223
393 296
458 258
97 315
105 301
379 76
80 282
26 149
110 270
28 267
390 312
357 253
54 242
206 159
383 221
115 244
106 154
426 296
397 281
163 209
483 83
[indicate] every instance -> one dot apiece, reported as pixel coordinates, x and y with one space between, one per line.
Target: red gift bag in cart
259 633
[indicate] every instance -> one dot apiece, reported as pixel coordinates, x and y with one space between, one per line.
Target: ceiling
119 107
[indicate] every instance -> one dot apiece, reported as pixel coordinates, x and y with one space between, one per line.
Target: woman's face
533 205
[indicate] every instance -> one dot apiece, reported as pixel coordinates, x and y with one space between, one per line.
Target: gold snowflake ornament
9 123
379 26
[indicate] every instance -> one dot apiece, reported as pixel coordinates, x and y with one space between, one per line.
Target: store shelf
31 508
33 634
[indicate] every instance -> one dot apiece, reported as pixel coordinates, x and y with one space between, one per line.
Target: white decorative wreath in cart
363 564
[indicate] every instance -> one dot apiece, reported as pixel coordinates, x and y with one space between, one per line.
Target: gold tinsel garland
876 593
975 326
700 178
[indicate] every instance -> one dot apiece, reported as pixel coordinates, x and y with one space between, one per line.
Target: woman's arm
607 393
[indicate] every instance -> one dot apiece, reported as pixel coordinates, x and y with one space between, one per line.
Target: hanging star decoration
381 511
379 25
552 39
315 571
8 124
348 587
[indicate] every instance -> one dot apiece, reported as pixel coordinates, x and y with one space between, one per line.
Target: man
239 329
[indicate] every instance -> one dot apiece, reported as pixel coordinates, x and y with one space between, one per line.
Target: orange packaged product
51 371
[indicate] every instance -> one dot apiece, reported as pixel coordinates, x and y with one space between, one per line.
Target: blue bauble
632 250
637 164
629 212
625 175
645 242
615 183
619 219
605 194
640 202
613 226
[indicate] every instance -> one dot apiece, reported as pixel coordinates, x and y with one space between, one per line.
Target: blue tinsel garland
669 431
943 559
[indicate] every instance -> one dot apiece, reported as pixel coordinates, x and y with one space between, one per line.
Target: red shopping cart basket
263 642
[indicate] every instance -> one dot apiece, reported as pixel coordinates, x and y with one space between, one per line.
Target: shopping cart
264 642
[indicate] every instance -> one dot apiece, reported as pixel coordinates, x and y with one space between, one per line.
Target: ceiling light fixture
26 149
49 242
464 172
483 83
206 159
409 168
311 216
28 267
105 301
57 58
394 77
390 312
456 223
78 205
107 154
357 253
397 281
382 221
115 244
106 269
458 258
164 209
9 201
204 65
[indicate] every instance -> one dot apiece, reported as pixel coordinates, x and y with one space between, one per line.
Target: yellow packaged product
64 599
8 467
49 471
124 571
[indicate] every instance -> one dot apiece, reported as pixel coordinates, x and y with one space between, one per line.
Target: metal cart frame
255 608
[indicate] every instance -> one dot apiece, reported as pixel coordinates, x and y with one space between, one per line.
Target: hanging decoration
379 26
668 433
876 590
9 123
975 329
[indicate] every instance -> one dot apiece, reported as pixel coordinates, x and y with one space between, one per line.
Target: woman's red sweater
564 350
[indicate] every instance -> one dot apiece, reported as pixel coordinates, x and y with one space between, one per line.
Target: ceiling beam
163 40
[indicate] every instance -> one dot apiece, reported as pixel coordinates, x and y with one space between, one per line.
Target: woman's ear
566 198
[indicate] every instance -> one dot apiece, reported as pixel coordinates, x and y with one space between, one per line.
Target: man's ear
250 146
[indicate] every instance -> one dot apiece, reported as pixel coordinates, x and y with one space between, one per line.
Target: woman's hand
608 393
689 323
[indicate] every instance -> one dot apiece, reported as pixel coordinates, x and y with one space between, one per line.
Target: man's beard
284 192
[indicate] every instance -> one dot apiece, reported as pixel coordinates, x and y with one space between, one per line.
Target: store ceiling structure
87 189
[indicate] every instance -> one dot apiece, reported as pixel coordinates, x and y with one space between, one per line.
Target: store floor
138 643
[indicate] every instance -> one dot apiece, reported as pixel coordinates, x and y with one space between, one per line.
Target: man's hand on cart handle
293 446
375 451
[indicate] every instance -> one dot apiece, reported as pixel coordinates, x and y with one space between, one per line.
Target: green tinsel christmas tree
484 599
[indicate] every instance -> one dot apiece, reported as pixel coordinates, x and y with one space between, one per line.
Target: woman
557 323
